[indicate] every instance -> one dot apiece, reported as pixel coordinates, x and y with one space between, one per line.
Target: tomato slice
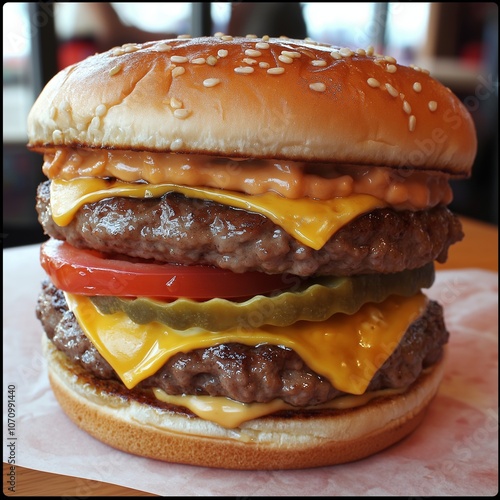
88 272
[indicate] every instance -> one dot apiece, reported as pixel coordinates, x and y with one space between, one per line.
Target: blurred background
457 42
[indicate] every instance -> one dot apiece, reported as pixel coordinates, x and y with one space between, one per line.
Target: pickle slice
315 300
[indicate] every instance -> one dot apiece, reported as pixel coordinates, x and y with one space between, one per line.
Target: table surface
478 249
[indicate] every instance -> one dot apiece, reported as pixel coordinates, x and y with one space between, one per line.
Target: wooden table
478 249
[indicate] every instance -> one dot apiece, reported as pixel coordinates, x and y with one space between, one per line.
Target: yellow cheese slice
310 221
231 414
346 349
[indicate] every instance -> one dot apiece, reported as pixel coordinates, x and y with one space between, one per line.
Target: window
341 23
17 71
406 30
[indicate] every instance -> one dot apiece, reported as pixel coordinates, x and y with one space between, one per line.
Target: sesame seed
175 103
179 59
373 82
249 60
244 70
265 38
131 48
211 82
253 53
285 59
345 52
390 59
95 123
251 35
433 105
360 52
219 34
57 136
163 47
184 36
181 113
412 121
336 55
222 53
100 110
318 62
391 90
417 86
318 86
406 107
262 45
276 71
179 70
370 50
391 68
176 144
290 53
115 69
212 60
264 65
311 41
118 52
227 38
199 60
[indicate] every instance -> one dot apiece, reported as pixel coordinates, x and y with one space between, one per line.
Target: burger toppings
339 348
308 220
313 300
88 272
403 189
236 371
180 230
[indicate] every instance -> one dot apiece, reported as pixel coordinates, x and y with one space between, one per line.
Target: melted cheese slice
310 221
231 414
346 349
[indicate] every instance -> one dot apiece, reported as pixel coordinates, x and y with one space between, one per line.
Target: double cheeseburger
240 233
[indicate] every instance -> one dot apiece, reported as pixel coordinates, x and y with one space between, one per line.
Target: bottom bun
289 440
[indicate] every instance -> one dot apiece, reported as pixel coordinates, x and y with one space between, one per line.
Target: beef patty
237 371
181 230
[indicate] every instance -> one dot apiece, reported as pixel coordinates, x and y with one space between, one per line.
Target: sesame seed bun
323 103
306 440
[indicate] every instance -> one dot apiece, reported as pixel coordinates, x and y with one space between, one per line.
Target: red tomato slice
88 272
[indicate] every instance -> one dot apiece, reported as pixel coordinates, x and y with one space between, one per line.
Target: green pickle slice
313 300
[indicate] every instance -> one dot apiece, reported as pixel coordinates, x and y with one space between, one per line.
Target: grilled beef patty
237 371
181 230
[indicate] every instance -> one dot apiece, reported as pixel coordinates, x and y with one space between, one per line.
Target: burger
241 232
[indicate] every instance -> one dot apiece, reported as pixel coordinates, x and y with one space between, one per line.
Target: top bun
257 98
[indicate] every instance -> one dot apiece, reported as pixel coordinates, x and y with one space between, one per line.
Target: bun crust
302 441
216 96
